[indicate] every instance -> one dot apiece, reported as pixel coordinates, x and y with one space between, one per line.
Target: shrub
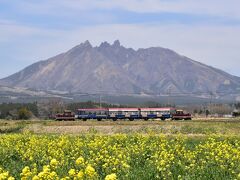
24 113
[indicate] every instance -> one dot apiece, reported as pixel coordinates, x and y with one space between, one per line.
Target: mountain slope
116 69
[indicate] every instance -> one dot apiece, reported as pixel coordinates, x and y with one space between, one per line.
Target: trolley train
131 114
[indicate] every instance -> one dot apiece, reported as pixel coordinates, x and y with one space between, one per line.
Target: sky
207 31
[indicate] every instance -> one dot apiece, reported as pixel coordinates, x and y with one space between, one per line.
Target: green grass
11 127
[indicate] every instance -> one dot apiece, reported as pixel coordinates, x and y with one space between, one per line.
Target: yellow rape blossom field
118 156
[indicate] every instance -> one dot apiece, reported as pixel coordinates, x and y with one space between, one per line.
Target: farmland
194 127
197 149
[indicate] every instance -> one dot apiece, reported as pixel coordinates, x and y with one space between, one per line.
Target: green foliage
207 112
24 113
11 110
236 114
237 105
11 129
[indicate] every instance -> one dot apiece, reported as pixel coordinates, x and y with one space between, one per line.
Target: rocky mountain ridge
114 69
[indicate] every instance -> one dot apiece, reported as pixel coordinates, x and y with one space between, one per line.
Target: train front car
96 113
67 115
124 113
181 115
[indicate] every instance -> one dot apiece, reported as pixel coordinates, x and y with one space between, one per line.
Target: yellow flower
41 174
80 175
25 170
46 169
80 161
53 175
90 171
11 178
4 175
72 172
35 178
111 177
54 163
26 173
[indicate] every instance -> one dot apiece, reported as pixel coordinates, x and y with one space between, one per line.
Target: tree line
18 110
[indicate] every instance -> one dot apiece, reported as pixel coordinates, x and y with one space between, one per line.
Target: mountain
114 69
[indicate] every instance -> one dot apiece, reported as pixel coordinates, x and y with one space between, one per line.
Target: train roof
157 109
93 109
126 109
123 109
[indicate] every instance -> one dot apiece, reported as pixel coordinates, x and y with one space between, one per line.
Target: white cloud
222 8
10 30
215 7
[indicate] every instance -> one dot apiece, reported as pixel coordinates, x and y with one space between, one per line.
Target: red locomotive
67 115
180 115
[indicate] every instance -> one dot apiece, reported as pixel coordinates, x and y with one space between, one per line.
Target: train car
167 113
180 115
67 115
150 113
96 113
124 113
156 113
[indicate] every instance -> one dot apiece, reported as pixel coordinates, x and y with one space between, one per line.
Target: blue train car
97 113
167 113
155 113
124 113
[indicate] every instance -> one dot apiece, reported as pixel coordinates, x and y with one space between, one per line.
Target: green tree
207 112
24 113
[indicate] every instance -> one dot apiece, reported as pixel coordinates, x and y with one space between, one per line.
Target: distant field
194 127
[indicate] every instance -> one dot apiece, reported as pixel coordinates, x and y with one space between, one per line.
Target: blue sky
206 31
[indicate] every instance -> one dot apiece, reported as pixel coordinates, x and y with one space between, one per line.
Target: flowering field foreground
27 156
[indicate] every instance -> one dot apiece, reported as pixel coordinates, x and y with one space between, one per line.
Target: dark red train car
180 115
65 116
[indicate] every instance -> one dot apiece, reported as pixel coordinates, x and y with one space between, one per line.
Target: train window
103 112
119 112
